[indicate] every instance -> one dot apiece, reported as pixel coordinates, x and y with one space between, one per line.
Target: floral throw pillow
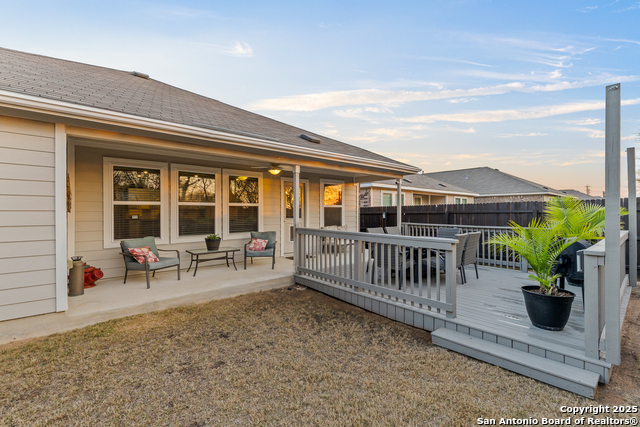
258 245
139 253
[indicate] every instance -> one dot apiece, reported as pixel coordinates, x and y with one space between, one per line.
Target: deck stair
558 374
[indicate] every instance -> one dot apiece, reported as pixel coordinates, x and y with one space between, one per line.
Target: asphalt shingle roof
121 91
428 183
485 181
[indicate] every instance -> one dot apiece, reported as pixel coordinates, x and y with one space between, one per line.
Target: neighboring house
90 156
494 186
417 189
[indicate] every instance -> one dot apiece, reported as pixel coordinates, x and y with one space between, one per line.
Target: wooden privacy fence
412 271
487 254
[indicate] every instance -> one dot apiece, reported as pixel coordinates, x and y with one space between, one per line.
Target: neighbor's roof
491 182
123 92
580 195
424 182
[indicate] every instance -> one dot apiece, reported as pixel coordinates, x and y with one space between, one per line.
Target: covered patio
111 299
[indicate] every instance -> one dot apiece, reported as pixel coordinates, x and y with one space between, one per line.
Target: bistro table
197 253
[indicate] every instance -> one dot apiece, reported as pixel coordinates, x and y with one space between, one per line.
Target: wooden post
296 212
633 217
612 222
450 279
399 203
592 322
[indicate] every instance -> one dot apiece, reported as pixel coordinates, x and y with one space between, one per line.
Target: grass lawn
272 358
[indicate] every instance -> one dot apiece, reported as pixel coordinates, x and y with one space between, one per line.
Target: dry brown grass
272 358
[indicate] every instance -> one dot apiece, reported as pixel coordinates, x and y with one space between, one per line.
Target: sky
441 85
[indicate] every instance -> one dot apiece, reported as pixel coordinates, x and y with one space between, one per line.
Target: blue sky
518 86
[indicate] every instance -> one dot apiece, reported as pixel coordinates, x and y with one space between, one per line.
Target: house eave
80 112
418 189
548 193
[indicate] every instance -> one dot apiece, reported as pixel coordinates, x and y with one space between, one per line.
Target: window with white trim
135 200
194 202
417 200
243 192
332 203
460 200
390 198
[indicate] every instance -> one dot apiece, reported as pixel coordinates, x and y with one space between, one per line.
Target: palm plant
540 245
575 218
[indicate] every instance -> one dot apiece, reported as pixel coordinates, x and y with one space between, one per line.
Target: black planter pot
547 311
212 245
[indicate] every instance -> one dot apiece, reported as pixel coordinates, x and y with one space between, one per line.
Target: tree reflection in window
333 195
243 189
193 187
136 184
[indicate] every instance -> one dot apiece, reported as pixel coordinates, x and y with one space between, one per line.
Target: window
134 200
332 204
390 198
194 194
244 198
460 201
417 200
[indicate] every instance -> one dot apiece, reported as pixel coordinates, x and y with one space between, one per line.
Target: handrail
384 266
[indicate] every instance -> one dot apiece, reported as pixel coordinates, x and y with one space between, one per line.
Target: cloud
319 101
584 122
512 135
462 100
239 49
522 114
630 137
587 9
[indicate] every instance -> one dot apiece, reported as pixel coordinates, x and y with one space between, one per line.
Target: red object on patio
91 275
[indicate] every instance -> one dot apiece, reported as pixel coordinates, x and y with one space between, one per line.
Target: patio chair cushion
141 253
257 245
265 235
264 253
162 263
150 241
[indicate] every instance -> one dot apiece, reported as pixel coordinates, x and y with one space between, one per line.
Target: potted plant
540 244
212 241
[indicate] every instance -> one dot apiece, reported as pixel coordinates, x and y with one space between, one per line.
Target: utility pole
587 189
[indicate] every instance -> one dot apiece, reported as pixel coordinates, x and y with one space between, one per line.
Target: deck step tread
551 372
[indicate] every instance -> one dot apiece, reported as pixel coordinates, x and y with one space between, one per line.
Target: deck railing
390 267
597 311
487 254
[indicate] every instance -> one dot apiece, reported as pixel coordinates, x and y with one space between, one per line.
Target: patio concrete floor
111 299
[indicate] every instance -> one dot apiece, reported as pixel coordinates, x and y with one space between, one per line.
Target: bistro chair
393 230
448 232
130 263
438 261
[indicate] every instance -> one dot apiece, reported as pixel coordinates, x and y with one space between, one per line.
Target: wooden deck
490 316
495 300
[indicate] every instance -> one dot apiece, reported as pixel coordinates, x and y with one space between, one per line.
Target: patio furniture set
466 252
143 255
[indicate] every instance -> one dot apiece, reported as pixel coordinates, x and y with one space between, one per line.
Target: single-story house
495 186
417 189
90 156
580 195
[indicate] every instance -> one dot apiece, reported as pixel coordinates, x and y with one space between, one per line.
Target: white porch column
296 212
399 203
612 223
60 193
633 217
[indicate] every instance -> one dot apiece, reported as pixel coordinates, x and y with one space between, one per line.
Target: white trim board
60 192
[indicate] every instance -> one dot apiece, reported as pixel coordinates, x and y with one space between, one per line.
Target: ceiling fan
274 168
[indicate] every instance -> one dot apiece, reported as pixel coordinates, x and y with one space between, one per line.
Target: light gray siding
27 230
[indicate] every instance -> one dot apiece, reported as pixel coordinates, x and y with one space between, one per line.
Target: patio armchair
448 232
393 230
130 263
471 253
269 250
388 257
438 260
